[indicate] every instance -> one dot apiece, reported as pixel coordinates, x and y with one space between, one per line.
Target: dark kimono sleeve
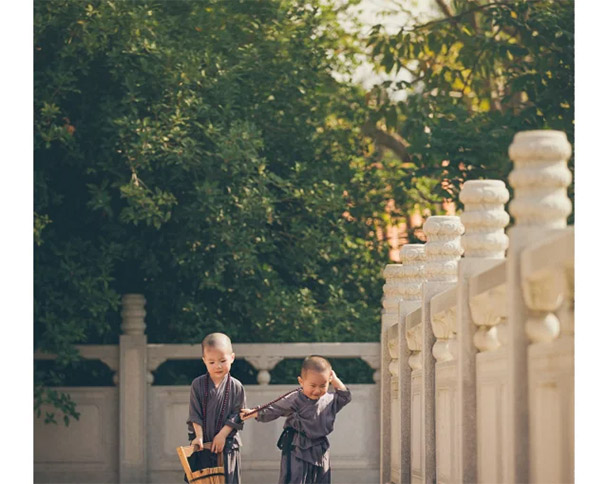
239 401
342 397
282 408
195 411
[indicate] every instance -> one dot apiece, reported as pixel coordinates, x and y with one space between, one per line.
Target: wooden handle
191 449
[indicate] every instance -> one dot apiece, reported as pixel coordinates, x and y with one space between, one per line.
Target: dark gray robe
236 401
313 420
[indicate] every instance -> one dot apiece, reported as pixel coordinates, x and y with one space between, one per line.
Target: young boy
310 413
215 401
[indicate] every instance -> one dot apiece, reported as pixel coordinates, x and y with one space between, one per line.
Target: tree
201 153
478 74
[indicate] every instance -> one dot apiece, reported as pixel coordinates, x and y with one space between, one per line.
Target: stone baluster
393 366
133 390
390 318
540 206
442 253
412 258
393 294
264 364
484 243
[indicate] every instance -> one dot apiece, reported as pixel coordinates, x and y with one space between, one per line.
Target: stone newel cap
540 145
484 191
412 253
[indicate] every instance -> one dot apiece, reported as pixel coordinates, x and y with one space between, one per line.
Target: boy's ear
300 380
233 356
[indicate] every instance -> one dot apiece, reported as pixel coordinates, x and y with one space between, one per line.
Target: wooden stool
208 475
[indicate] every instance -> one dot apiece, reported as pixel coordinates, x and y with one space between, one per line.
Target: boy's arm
336 382
240 401
198 435
283 408
233 422
219 441
343 395
195 414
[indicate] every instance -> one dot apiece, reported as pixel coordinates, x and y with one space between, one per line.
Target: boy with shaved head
215 401
311 413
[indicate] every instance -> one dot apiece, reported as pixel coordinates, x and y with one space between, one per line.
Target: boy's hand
336 382
245 411
218 443
197 443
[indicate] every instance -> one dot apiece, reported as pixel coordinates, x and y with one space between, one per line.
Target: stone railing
129 432
477 347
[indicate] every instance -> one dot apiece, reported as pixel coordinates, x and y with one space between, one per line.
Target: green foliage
203 154
477 78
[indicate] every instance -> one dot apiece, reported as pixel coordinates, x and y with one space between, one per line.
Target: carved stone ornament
414 343
487 338
444 329
540 178
415 361
392 348
565 313
374 363
443 248
264 362
392 294
444 323
155 361
544 293
445 350
488 310
414 338
484 218
412 259
133 314
393 368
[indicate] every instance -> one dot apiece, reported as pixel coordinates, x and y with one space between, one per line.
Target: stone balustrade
128 432
489 342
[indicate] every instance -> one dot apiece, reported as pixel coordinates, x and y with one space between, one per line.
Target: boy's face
314 384
218 362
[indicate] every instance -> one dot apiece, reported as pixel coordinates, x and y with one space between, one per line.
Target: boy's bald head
315 363
217 341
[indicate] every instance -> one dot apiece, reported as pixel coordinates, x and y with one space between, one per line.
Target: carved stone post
540 206
133 391
442 252
484 243
390 317
412 259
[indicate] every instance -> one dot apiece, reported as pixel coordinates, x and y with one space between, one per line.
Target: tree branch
445 8
454 18
391 141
